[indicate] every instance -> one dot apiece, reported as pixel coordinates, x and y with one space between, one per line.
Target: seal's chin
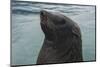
48 32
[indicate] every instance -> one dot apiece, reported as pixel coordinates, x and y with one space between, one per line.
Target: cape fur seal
62 41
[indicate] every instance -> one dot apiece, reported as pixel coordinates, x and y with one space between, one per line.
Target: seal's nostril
42 13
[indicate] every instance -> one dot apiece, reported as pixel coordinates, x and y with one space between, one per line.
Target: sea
27 36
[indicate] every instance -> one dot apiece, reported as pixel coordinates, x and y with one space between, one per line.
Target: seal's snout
43 16
45 12
42 13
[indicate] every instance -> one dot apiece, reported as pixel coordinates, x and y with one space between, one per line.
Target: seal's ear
76 31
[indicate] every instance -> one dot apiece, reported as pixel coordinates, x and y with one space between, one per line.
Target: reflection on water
27 36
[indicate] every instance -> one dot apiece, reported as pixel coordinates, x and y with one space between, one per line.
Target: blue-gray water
27 36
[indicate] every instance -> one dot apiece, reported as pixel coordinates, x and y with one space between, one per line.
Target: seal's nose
42 13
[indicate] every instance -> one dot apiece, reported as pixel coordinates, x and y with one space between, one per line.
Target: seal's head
56 26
